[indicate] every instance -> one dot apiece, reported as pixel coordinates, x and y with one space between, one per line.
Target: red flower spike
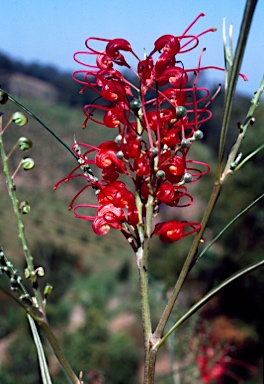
156 125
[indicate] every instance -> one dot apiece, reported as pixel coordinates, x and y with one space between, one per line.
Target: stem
20 225
44 370
228 225
186 267
209 296
234 72
233 76
243 129
142 264
58 352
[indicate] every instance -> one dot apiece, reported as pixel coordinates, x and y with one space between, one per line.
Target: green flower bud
135 104
160 174
19 119
27 163
120 154
47 290
198 135
24 143
118 139
24 207
185 143
181 111
154 151
187 178
40 272
27 273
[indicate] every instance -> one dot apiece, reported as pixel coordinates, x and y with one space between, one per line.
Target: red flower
174 230
156 123
174 167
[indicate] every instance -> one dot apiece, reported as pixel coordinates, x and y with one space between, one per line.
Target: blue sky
50 31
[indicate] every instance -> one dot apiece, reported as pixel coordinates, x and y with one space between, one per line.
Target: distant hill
43 82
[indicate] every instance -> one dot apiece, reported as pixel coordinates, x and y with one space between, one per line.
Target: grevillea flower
173 230
216 361
155 123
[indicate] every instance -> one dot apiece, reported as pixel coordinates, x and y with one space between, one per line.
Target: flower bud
198 135
154 151
187 177
160 174
181 111
40 272
135 104
185 143
19 119
47 290
24 207
120 154
24 143
27 163
118 139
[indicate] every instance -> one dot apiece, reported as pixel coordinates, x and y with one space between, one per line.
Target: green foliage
10 316
58 264
113 355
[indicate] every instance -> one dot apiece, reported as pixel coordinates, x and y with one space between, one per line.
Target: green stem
243 129
58 353
228 225
142 264
248 14
209 296
252 154
233 76
44 370
186 267
20 225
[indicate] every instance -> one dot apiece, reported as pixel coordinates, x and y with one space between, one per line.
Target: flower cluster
216 362
156 119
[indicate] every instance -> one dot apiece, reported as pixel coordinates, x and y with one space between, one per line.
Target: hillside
96 277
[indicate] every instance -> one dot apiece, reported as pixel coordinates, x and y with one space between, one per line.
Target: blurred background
95 279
